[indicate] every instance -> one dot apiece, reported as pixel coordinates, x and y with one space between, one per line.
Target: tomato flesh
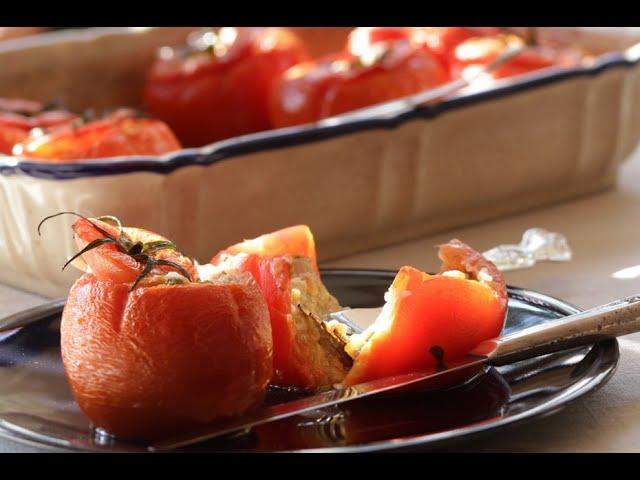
302 356
294 241
273 277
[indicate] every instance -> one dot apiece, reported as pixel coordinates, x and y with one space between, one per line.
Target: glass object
537 245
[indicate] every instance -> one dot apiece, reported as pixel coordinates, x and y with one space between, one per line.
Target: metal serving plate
36 406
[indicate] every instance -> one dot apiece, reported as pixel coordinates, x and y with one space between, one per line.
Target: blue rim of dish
293 136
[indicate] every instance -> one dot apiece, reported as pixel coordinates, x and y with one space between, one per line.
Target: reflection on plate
36 405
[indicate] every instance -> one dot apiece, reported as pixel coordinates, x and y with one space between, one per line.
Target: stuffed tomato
439 41
148 348
429 320
283 263
119 133
218 86
18 117
354 78
477 52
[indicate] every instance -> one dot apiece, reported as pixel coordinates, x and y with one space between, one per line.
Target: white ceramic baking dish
360 182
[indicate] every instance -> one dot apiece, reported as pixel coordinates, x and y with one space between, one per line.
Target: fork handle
31 315
614 319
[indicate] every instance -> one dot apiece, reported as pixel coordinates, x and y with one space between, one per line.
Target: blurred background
535 147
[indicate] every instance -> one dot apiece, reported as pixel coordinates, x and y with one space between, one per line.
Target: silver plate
36 406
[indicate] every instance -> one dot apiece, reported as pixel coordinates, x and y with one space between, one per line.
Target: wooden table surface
604 232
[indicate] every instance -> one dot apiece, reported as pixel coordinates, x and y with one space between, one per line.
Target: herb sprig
139 251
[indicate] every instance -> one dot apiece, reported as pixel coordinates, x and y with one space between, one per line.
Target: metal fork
31 315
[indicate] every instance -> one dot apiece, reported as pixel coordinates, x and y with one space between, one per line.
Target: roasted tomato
341 82
9 136
107 260
477 52
305 354
432 319
119 133
444 40
440 41
220 87
19 116
362 38
148 348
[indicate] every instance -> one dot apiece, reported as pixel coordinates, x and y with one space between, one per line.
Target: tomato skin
434 318
456 255
164 358
443 40
439 41
205 98
105 261
362 38
296 240
459 48
267 259
341 82
109 264
9 136
18 116
480 51
116 135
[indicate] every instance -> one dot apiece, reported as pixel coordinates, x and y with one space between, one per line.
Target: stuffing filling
310 303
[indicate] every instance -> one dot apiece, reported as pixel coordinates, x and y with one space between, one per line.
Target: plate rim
428 441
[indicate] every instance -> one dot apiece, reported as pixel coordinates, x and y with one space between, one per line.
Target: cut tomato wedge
283 263
432 319
295 241
305 355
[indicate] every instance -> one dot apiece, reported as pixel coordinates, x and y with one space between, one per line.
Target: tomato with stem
19 116
219 85
477 52
148 347
346 81
119 133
